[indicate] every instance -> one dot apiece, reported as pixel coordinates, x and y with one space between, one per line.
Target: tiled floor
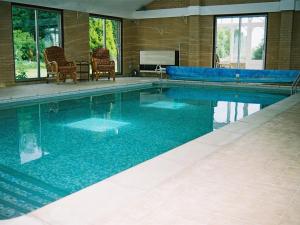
23 91
247 173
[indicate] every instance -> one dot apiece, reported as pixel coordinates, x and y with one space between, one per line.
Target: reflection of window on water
29 148
228 112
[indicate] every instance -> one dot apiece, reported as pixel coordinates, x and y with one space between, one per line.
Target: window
106 32
34 30
240 42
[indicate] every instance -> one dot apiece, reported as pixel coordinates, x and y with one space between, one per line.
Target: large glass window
240 42
106 33
33 30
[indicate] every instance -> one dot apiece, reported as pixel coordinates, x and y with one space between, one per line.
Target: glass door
253 39
113 41
24 35
227 42
106 33
49 35
96 32
240 42
33 31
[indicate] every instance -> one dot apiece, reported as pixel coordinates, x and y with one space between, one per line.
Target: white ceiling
117 8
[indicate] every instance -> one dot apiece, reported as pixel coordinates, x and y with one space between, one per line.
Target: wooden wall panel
76 35
206 40
295 54
7 74
273 40
193 36
166 4
194 41
283 40
154 34
130 47
285 44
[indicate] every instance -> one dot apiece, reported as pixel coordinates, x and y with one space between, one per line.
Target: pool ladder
295 85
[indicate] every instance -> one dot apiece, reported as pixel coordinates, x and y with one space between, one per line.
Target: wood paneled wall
153 34
7 76
130 46
192 36
295 54
283 40
76 35
273 39
166 4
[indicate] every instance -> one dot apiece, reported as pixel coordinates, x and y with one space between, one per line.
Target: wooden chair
57 65
101 64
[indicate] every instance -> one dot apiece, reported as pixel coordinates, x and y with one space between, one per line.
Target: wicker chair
101 64
57 65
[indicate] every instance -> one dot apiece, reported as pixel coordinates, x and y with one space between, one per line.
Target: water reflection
177 114
228 112
44 126
29 148
30 132
71 144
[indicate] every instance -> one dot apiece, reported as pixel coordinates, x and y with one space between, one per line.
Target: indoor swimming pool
52 149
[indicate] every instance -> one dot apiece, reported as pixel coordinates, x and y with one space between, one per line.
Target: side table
83 69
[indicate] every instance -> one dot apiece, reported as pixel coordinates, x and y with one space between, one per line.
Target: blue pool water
52 149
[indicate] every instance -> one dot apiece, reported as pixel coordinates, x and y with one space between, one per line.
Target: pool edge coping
4 103
15 101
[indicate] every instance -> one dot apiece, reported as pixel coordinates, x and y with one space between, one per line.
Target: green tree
110 39
96 35
24 19
21 72
24 45
223 40
258 52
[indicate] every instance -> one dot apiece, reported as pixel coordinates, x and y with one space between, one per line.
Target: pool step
20 193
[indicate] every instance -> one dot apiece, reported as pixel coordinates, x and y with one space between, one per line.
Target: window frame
34 7
240 16
120 36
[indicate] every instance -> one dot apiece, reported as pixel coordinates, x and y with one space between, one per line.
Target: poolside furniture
83 70
57 65
238 65
101 64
